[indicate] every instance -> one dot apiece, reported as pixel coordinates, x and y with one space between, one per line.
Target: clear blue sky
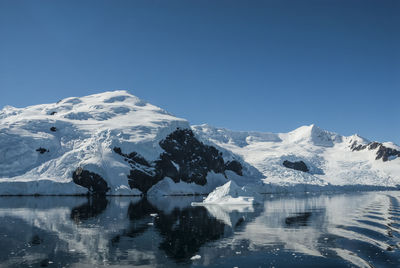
244 65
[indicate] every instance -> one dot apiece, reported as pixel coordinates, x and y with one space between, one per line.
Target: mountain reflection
183 231
301 219
94 206
330 230
137 214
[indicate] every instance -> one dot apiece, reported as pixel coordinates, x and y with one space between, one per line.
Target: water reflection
336 229
299 220
93 207
358 229
182 231
24 245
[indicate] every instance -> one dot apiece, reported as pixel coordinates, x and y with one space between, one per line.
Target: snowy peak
329 158
118 111
357 139
97 107
114 102
314 135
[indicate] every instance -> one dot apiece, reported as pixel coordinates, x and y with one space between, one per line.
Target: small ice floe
154 214
231 194
150 223
195 257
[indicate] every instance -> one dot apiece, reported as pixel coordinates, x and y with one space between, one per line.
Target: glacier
329 157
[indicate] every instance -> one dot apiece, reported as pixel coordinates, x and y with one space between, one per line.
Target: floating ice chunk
195 257
231 194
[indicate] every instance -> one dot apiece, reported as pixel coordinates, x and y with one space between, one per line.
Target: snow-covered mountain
329 158
110 143
115 143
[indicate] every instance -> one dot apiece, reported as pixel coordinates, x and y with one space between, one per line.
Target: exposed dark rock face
54 129
185 159
142 180
133 157
383 152
53 113
143 174
194 158
42 150
299 165
235 166
90 180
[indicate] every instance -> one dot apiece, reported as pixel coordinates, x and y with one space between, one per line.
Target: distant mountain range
114 143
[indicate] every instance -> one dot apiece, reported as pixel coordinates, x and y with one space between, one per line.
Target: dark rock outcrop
133 157
90 180
383 152
185 158
235 166
142 180
298 165
42 150
53 129
194 158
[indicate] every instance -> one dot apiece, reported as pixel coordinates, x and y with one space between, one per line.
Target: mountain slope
104 143
329 157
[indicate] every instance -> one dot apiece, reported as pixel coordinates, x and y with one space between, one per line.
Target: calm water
337 230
